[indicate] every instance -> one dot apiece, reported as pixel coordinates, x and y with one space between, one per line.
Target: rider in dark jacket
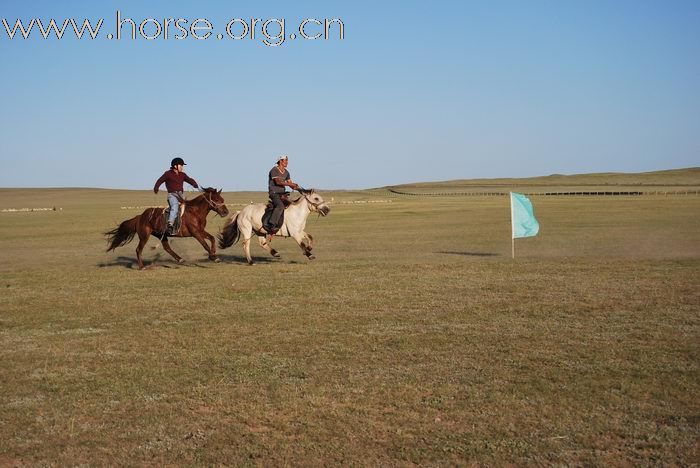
277 179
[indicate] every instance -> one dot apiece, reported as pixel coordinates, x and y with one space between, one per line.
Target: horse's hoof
215 259
181 261
311 257
275 254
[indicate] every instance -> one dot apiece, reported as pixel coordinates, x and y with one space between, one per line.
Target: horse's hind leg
266 245
246 250
143 238
245 231
166 246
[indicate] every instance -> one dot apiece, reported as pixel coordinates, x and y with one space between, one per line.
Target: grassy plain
412 339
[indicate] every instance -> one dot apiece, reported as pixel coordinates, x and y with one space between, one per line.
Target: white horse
248 221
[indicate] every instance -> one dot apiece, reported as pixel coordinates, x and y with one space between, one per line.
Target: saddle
269 208
178 219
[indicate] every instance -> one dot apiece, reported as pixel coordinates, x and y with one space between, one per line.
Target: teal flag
522 216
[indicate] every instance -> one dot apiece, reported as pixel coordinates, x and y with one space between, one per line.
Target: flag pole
512 223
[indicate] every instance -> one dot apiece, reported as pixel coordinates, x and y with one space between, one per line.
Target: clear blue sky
416 91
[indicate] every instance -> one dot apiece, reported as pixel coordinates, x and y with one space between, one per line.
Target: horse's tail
122 234
229 234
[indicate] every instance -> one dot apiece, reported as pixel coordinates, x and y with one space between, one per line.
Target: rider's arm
191 181
289 182
285 183
159 182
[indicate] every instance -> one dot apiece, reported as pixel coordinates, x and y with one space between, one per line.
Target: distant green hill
689 177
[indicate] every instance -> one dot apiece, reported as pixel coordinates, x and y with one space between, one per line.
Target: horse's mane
305 192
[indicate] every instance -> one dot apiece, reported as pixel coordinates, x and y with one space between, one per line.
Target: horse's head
215 200
316 202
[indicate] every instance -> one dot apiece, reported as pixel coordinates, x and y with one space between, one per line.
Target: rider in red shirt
174 179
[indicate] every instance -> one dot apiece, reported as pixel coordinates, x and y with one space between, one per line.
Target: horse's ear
220 190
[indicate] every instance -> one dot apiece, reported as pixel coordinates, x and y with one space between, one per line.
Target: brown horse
152 221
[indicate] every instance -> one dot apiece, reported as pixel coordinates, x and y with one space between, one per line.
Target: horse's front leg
266 245
309 240
200 236
305 248
213 247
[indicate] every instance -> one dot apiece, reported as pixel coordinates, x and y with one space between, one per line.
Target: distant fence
431 194
24 210
556 194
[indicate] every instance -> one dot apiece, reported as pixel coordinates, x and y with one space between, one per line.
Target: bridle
212 205
315 205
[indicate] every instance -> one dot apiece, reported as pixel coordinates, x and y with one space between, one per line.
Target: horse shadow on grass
240 259
125 262
167 262
470 254
132 264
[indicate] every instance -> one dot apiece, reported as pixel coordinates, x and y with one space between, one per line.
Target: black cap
176 161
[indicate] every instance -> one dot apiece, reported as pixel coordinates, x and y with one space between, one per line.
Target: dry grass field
413 338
